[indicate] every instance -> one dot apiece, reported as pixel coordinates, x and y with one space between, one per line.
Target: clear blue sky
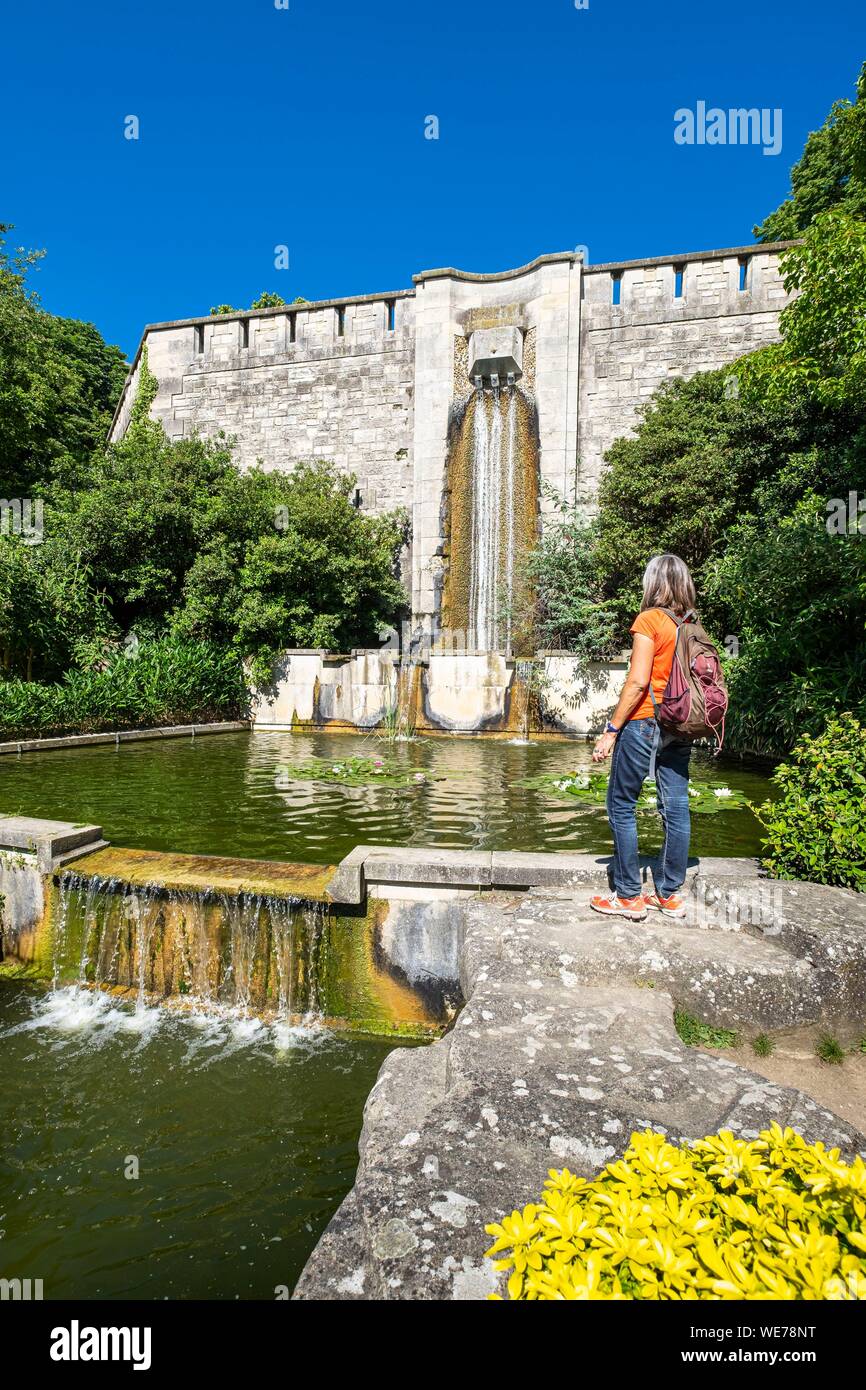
305 127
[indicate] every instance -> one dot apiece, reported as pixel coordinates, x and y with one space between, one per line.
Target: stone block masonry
367 383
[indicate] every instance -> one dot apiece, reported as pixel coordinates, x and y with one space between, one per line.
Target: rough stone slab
541 1070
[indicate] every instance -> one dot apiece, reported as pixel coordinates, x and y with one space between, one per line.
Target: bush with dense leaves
161 683
722 1218
816 830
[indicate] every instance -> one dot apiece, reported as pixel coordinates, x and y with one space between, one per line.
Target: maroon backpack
695 699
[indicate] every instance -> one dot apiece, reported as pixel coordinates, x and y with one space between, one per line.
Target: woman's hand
603 745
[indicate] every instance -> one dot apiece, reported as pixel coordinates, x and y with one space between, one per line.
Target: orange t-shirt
663 631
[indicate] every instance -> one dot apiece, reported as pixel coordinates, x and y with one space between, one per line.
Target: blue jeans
630 765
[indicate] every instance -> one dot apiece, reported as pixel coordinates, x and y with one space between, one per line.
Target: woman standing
640 750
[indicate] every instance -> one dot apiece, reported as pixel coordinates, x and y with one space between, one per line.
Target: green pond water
229 794
245 1137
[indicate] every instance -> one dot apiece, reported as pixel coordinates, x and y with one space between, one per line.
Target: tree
823 349
288 561
59 382
831 172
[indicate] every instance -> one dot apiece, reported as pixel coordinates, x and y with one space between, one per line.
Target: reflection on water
229 795
243 1137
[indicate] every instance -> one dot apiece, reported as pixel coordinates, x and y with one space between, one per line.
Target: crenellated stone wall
368 383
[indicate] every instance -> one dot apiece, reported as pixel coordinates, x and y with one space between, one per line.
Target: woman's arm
633 691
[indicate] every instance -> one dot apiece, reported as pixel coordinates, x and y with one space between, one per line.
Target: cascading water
238 952
492 520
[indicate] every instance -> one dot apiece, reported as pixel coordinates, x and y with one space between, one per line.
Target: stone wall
627 350
367 383
326 381
463 692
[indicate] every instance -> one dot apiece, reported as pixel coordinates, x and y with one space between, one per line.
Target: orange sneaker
668 907
614 906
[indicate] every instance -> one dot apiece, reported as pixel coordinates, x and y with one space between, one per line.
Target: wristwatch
610 728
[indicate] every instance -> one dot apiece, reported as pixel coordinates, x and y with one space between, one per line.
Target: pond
243 1136
230 794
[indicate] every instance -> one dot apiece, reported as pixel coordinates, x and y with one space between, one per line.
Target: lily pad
358 772
590 788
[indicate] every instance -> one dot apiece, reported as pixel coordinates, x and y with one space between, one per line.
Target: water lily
722 791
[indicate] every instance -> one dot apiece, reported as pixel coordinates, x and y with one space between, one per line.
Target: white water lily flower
693 791
722 791
652 801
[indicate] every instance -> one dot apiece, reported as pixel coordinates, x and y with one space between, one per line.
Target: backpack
695 699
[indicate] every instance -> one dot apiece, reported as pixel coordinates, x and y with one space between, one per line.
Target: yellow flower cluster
725 1218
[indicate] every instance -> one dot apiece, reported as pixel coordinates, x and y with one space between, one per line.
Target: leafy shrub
774 1218
167 682
816 830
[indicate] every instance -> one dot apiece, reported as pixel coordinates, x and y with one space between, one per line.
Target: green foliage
697 1034
828 1050
47 608
359 772
268 299
763 1046
563 574
58 382
831 172
816 829
823 348
134 515
670 487
166 682
286 560
590 788
796 597
145 395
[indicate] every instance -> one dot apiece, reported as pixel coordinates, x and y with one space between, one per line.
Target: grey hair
668 584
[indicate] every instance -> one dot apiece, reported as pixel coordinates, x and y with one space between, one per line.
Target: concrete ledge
52 841
371 865
41 745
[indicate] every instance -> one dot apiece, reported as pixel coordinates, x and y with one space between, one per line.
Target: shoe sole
618 912
666 911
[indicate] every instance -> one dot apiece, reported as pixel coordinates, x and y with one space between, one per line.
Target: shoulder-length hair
668 584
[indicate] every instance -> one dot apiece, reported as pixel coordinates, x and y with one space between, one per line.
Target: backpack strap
689 617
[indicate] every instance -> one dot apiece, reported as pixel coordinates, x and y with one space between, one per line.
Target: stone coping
53 842
381 297
476 277
370 865
40 745
756 248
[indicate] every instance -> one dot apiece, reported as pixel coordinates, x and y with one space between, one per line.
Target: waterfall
492 518
243 951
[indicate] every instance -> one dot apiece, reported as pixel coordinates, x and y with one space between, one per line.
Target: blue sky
304 127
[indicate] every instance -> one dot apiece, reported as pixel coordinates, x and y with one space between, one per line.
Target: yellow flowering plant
723 1218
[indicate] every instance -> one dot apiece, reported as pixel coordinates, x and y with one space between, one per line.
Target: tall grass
169 681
